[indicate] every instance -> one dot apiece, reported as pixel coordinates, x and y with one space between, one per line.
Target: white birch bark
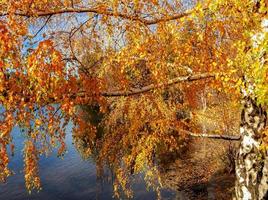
252 163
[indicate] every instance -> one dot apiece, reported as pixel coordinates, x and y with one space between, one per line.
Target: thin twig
40 28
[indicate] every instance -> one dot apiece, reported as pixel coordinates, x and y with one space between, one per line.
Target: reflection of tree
84 143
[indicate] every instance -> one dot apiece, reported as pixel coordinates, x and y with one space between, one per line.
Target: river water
69 178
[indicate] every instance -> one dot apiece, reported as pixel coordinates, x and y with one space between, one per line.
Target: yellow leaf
38 122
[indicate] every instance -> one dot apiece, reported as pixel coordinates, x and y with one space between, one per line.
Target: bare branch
47 20
83 67
166 19
213 136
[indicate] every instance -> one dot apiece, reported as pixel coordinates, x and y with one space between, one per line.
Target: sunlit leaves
4 160
31 170
60 78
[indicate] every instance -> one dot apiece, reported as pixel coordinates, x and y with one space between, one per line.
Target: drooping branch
150 87
101 12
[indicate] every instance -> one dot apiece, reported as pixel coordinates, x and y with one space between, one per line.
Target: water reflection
74 177
68 178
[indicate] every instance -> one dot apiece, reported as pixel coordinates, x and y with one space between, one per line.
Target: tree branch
150 87
166 19
143 89
42 27
213 136
101 12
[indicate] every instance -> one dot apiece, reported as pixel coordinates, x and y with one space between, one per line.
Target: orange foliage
52 64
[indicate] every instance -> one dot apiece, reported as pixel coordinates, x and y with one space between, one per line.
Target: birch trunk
251 163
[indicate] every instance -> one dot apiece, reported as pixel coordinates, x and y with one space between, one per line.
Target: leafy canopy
62 60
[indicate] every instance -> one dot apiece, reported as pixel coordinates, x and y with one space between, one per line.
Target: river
69 178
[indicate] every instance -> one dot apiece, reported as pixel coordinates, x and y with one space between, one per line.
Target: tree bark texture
251 162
